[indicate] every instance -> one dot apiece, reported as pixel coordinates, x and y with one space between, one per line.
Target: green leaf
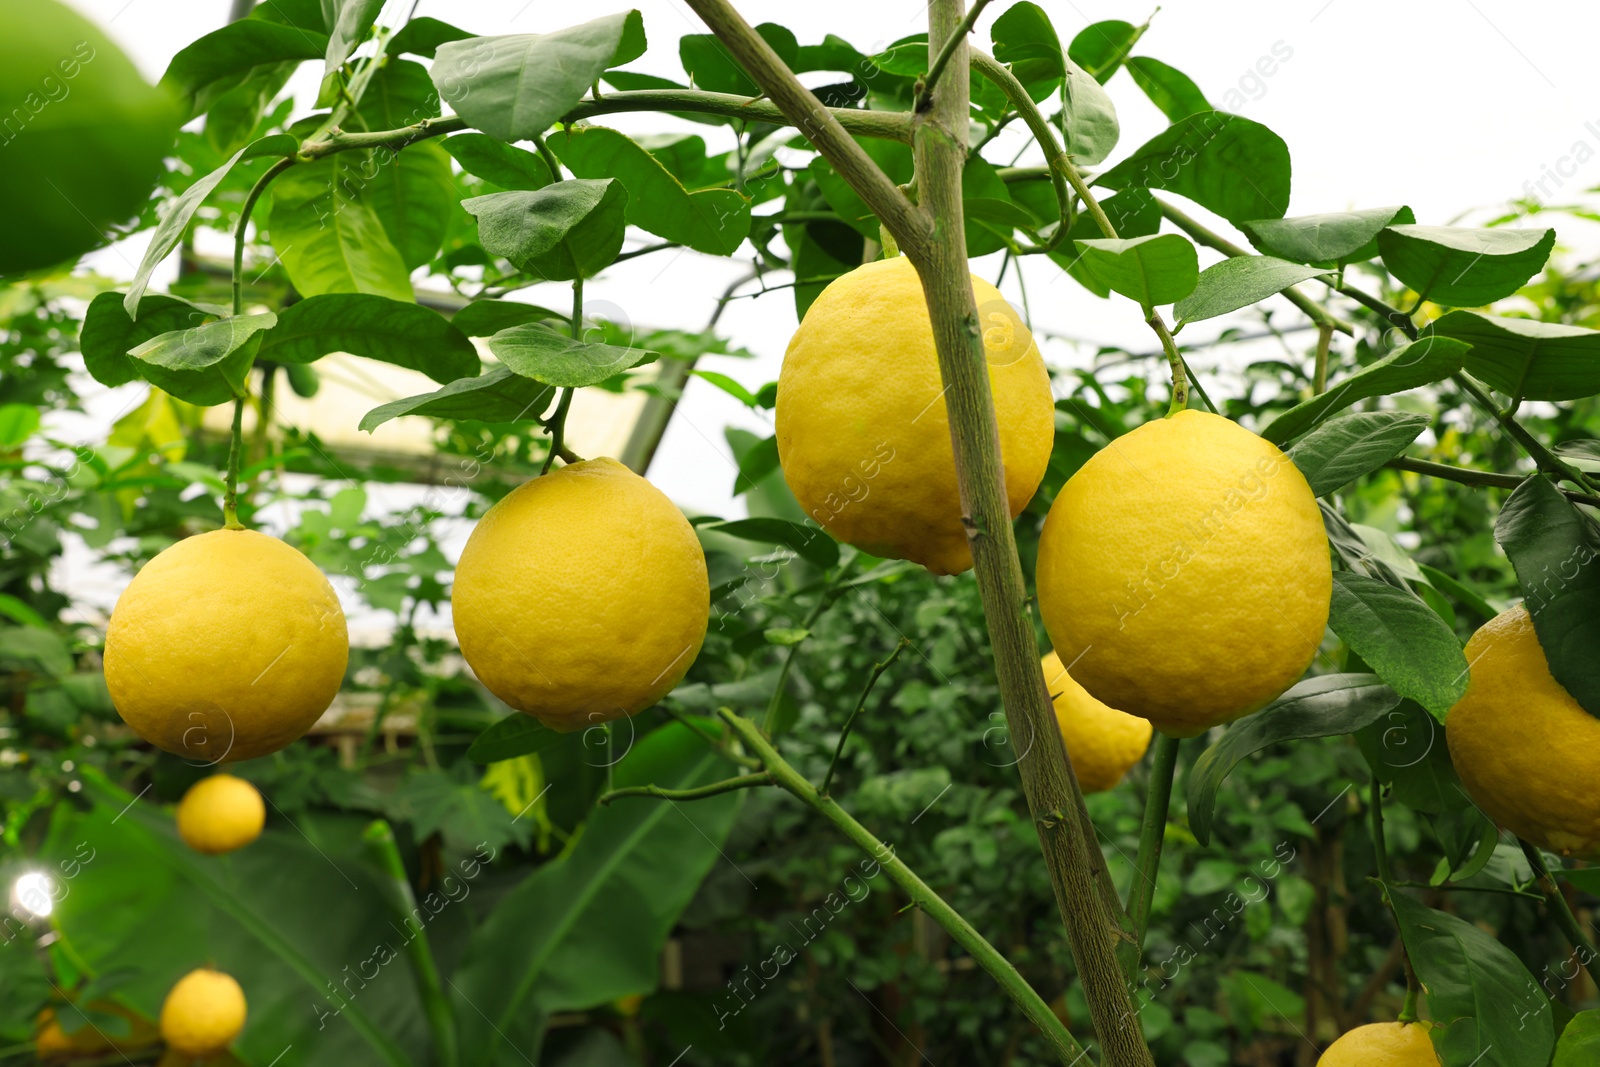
498 163
1406 749
1169 89
1325 706
1552 545
1486 1008
1132 214
810 542
1580 1041
412 192
589 928
33 649
109 333
711 66
535 351
484 318
423 36
1024 39
18 422
1527 359
497 395
784 636
1239 282
1202 156
714 221
1464 267
1330 240
326 229
513 736
205 364
1154 270
1101 47
1400 638
716 378
758 461
1421 362
222 59
375 327
1343 449
571 229
515 87
1090 118
350 27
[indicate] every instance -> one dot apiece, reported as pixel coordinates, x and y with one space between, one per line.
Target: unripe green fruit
82 135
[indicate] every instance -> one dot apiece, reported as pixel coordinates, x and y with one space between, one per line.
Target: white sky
1445 105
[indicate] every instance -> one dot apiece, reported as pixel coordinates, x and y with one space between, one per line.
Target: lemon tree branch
1561 911
921 894
727 785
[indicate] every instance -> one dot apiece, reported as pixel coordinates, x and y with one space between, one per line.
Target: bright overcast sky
1445 105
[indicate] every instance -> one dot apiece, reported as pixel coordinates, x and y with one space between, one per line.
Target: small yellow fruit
863 434
1525 749
1184 572
582 596
1383 1045
1103 742
219 814
226 646
202 1013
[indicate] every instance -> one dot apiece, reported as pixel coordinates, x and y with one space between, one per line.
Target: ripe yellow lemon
582 596
1103 742
863 435
1382 1045
203 1012
226 646
220 813
1184 572
1527 752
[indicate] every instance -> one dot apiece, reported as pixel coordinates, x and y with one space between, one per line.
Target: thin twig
1467 476
866 691
930 80
727 785
1561 911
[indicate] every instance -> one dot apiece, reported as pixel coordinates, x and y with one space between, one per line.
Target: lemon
220 813
863 435
1184 573
82 135
1383 1045
582 596
1525 749
202 1013
226 646
1103 742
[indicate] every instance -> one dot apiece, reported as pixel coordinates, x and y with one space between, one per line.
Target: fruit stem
727 785
230 495
379 838
1180 377
1158 800
1556 900
557 426
1319 375
921 894
866 691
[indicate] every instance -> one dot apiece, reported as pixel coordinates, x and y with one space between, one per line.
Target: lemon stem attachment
1556 900
557 425
921 894
866 691
1180 376
1158 800
1408 1011
230 495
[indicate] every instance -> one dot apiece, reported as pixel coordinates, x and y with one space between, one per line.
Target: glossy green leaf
411 191
589 927
496 395
1202 156
1024 39
207 363
535 351
1101 47
810 542
1154 270
375 327
515 87
1132 214
109 333
496 162
1343 449
1580 1041
1239 282
484 318
1330 240
1401 638
1553 546
1089 117
758 461
711 66
1461 266
513 736
570 229
325 227
222 59
1525 358
714 221
423 36
1406 750
1486 1008
350 27
1325 706
1418 363
1168 88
